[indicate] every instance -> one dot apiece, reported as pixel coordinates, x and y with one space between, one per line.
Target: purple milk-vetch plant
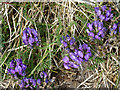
12 63
98 31
28 83
115 28
17 70
119 29
67 42
30 36
103 13
32 83
17 67
75 56
39 81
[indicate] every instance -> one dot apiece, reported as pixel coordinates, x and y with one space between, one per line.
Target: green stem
38 64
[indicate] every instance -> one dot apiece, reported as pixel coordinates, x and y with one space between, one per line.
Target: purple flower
34 82
22 84
19 61
45 74
31 87
29 82
119 29
27 85
80 54
90 26
104 29
102 35
80 47
100 32
39 81
31 40
115 32
24 37
18 69
29 31
87 56
97 37
72 56
90 54
67 49
100 25
25 42
91 34
61 40
75 58
37 43
77 55
26 80
36 39
12 71
12 64
30 79
96 23
114 26
23 66
96 9
111 15
107 18
80 59
46 80
98 12
108 12
102 17
76 52
85 46
87 30
88 49
73 65
65 44
72 41
64 38
34 32
66 59
9 71
68 37
66 66
103 8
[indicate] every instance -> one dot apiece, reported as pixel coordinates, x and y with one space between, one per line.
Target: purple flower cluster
96 30
115 29
28 83
75 56
30 36
31 83
103 13
17 68
67 41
